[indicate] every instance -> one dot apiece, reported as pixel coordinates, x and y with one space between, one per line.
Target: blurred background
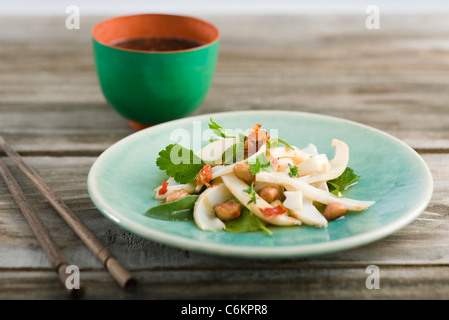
105 7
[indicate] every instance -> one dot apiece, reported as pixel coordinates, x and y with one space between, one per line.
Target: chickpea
241 170
334 210
176 195
228 210
269 194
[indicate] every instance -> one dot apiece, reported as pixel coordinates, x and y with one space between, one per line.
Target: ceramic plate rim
298 250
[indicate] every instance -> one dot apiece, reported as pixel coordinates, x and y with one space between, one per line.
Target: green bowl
153 87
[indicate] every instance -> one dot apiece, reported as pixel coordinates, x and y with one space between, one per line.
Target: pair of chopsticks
48 244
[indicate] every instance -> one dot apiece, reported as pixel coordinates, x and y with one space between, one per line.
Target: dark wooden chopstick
46 241
114 267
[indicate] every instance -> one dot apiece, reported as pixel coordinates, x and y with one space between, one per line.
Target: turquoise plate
122 180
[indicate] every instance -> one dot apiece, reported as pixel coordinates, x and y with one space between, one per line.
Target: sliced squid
214 151
204 212
283 165
293 200
309 214
314 165
321 185
311 192
236 187
338 164
303 209
294 154
310 150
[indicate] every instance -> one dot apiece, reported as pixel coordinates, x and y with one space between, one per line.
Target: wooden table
52 111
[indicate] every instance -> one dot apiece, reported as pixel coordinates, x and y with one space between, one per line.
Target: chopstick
46 241
110 262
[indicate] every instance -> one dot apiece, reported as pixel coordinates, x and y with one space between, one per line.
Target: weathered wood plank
283 283
393 79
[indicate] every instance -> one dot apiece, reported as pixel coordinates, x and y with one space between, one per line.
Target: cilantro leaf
346 180
219 130
247 222
293 171
180 163
261 162
252 193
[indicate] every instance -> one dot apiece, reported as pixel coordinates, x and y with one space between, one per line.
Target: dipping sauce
158 44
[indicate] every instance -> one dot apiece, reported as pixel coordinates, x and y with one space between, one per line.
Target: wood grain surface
52 112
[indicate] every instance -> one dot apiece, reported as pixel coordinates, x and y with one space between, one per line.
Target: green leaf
247 222
346 180
219 130
273 143
179 210
293 171
260 163
180 163
252 193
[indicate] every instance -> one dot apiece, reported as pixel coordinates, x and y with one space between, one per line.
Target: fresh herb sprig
219 130
293 171
261 162
252 193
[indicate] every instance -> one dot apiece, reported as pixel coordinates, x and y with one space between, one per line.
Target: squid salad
251 182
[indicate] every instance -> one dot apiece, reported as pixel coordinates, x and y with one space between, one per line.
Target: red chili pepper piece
273 212
163 190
